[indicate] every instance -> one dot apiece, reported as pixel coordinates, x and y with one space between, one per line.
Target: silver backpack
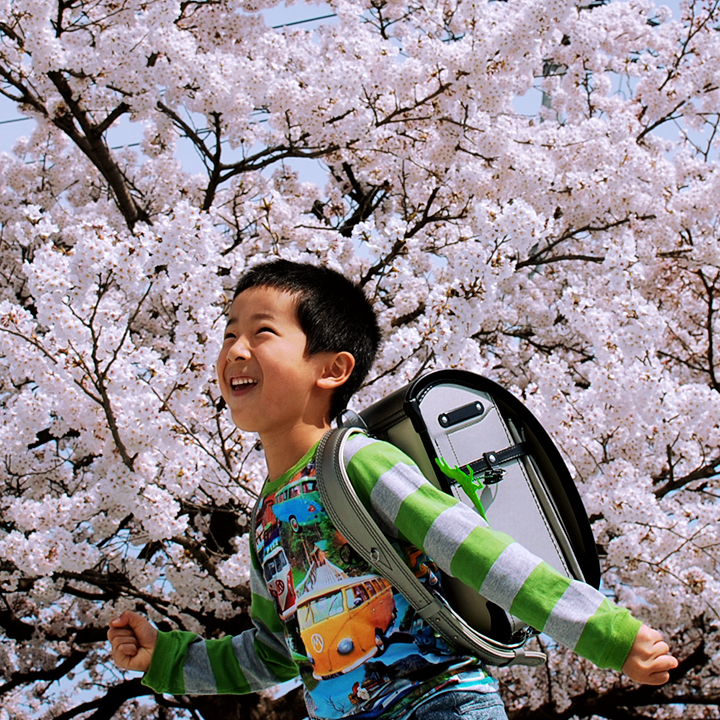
479 443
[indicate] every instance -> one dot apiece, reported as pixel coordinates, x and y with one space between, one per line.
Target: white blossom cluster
567 248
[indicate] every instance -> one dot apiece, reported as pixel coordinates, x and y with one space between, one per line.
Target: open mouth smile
242 383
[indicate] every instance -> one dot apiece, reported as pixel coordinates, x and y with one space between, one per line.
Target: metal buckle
493 474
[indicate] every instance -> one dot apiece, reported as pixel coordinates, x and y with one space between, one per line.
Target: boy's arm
183 663
461 543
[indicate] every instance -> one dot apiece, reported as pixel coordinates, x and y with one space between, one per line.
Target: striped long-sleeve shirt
319 611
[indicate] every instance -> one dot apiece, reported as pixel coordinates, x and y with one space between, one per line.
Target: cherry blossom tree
527 189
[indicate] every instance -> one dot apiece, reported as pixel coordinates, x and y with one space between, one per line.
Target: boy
299 342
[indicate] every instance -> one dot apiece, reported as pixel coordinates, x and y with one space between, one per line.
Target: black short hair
333 312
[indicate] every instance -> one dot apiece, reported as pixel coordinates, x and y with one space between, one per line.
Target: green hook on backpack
471 485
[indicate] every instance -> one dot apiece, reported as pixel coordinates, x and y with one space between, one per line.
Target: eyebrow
252 318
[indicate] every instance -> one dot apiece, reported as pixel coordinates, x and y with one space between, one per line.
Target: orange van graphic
344 624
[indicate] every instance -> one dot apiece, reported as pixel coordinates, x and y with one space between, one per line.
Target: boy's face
268 382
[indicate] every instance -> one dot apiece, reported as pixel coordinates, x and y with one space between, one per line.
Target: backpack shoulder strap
357 526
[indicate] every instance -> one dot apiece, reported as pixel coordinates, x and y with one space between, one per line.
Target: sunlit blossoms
526 189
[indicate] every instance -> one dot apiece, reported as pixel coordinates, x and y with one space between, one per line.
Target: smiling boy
299 342
272 387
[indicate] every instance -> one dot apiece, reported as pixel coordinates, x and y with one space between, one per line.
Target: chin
243 423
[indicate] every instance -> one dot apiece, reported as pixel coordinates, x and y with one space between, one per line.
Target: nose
238 350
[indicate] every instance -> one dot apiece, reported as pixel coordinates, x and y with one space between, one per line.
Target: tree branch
92 143
51 675
107 705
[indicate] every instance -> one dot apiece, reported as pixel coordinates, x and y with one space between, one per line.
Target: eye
266 330
229 336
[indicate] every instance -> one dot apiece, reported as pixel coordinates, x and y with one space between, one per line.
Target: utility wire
300 22
14 120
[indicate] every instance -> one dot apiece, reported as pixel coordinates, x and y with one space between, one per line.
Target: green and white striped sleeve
406 505
183 663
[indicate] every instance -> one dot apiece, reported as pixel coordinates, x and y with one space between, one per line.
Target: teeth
238 382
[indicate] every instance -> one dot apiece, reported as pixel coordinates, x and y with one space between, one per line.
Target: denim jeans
461 705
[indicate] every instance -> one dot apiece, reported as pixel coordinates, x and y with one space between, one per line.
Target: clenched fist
133 641
649 661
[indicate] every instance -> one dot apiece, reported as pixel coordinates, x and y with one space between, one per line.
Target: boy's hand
649 661
133 641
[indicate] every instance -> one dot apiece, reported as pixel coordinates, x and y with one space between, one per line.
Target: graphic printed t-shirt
358 643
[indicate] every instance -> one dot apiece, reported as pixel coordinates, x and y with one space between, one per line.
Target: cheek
220 364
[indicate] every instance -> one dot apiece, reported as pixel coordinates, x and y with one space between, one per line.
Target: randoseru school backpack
478 442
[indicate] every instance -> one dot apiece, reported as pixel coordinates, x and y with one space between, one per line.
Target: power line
14 120
300 22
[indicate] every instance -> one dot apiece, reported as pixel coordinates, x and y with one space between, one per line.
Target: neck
283 451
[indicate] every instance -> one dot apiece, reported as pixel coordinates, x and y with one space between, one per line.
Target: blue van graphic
298 503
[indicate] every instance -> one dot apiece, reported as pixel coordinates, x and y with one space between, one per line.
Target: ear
336 370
